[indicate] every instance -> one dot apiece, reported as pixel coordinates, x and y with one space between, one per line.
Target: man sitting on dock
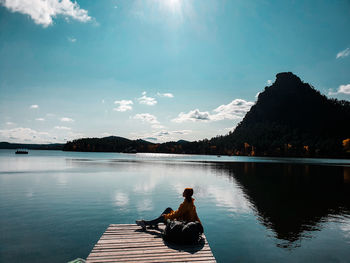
186 212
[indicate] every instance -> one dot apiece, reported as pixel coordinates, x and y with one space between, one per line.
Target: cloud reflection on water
345 228
234 200
145 205
121 199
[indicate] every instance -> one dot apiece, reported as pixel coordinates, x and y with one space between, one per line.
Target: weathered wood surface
128 243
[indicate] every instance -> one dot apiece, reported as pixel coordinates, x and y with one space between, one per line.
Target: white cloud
24 135
72 39
43 11
69 135
228 129
344 53
163 135
34 106
343 89
146 117
166 95
147 100
233 111
257 94
28 135
9 123
62 128
40 119
182 132
157 126
124 105
269 82
65 119
150 139
225 131
194 115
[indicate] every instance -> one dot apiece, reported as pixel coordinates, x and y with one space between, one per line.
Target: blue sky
158 69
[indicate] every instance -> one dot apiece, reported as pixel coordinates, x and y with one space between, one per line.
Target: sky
160 70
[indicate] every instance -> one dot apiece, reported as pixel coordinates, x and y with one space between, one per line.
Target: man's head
188 192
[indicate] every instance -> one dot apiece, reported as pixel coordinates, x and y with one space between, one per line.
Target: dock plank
128 243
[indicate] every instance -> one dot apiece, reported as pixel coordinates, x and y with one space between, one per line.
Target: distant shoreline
50 147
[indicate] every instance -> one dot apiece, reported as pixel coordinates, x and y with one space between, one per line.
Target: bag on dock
181 232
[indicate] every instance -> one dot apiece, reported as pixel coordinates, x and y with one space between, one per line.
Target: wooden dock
128 243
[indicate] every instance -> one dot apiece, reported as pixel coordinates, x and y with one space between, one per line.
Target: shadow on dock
158 233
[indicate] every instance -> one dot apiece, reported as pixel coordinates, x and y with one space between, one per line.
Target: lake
55 205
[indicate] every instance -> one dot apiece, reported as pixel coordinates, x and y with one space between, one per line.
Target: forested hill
291 118
120 144
108 144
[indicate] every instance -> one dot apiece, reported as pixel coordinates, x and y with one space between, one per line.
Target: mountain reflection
293 199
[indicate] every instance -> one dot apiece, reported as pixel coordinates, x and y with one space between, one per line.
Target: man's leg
154 222
159 219
167 211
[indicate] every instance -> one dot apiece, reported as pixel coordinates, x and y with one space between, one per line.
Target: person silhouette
186 212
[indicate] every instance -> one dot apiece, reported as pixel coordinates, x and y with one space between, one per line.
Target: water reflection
121 199
145 205
345 227
233 200
293 199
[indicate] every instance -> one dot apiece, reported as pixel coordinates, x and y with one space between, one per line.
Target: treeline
53 146
221 145
107 144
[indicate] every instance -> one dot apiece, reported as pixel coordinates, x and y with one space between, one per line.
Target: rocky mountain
291 117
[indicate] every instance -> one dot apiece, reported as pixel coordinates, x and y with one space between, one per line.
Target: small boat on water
21 151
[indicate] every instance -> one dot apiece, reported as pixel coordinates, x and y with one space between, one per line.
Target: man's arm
175 214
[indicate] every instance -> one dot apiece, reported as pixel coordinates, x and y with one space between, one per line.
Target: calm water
55 205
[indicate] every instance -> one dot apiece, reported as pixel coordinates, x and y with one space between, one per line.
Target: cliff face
292 114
